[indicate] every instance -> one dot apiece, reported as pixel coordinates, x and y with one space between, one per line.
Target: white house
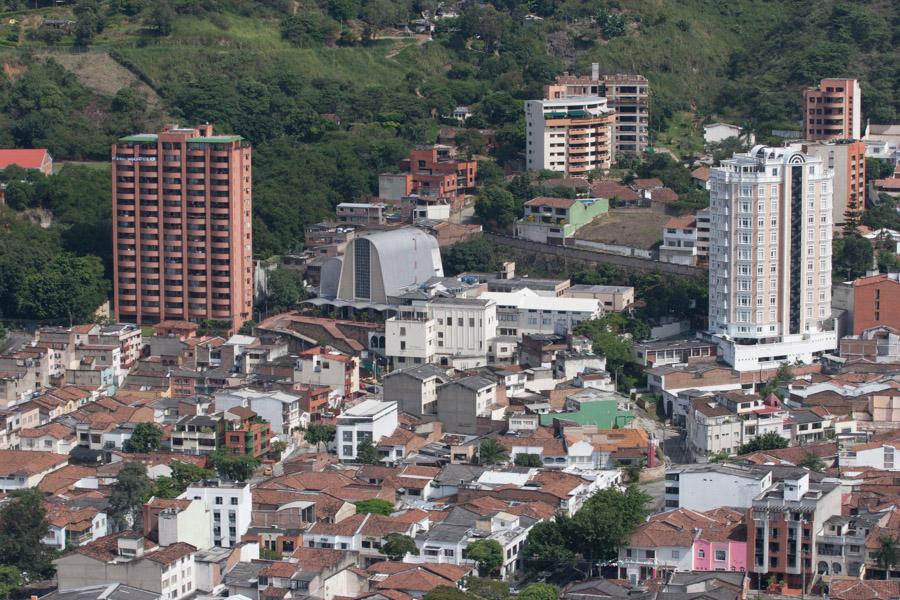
369 420
281 410
716 132
22 469
688 486
525 311
230 505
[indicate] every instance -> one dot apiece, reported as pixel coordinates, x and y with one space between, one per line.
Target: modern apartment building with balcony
783 527
847 158
770 258
183 247
833 110
571 135
627 94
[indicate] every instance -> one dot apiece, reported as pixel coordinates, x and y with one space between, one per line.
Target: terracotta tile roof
279 569
551 202
164 503
558 484
613 189
390 594
869 589
57 431
663 194
651 183
416 577
400 437
16 462
701 173
241 411
317 558
274 592
170 554
685 222
307 480
64 478
381 525
420 471
347 527
74 519
105 549
710 408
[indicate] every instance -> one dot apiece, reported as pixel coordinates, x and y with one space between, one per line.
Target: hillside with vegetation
332 92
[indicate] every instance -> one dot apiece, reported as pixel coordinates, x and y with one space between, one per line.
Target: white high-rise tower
770 258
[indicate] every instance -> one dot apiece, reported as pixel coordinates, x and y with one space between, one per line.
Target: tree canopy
146 437
23 525
128 494
395 546
234 467
487 554
374 505
491 452
766 441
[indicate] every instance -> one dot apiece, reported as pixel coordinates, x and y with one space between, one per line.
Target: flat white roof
503 478
527 299
368 408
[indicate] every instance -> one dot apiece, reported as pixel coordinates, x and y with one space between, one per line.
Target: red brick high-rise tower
183 246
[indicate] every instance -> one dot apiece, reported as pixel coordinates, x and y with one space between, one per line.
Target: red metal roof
25 158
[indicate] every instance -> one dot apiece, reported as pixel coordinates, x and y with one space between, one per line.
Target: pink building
685 540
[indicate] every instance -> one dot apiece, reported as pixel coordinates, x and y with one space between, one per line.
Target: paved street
14 340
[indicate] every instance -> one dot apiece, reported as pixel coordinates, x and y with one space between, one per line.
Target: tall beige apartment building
770 257
833 111
571 135
627 94
183 246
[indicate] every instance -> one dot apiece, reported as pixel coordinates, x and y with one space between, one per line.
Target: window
701 553
676 554
720 555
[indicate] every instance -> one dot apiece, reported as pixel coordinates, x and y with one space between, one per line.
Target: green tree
68 287
487 554
783 376
852 257
811 462
146 437
476 254
489 589
160 18
23 524
10 580
446 592
247 327
549 546
888 554
491 452
374 505
879 168
766 441
234 467
606 521
319 434
128 493
306 29
163 487
528 460
497 208
888 262
285 289
184 474
366 453
539 591
397 545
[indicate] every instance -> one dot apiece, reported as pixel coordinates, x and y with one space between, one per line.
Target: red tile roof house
130 558
37 158
20 469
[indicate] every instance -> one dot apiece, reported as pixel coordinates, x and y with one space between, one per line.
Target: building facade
847 159
552 220
833 110
627 94
770 258
571 135
182 227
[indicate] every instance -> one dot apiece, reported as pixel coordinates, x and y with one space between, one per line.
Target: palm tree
888 553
